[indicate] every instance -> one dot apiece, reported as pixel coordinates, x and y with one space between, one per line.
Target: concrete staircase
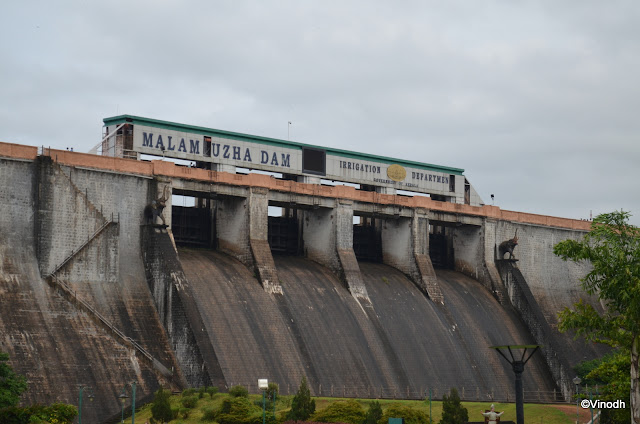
522 299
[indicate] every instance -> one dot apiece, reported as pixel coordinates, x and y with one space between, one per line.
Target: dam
368 291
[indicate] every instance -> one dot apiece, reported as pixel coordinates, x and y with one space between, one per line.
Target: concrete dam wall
63 336
93 296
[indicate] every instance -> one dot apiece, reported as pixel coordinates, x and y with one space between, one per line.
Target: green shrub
212 391
452 410
410 415
12 385
201 392
58 412
374 413
189 401
285 401
344 411
239 391
273 390
188 392
184 412
302 406
14 415
268 419
160 407
209 414
237 410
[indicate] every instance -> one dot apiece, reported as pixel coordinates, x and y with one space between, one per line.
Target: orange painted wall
169 169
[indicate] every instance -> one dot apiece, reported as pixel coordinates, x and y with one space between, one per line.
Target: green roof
274 142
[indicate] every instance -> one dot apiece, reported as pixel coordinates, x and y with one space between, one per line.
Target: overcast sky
538 101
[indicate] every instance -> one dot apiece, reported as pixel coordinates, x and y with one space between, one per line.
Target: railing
58 282
85 244
500 393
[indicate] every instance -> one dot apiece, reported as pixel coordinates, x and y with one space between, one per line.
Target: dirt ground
570 411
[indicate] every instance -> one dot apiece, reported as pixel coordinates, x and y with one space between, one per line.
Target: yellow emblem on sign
396 172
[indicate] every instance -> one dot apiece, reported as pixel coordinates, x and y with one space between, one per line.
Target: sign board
291 158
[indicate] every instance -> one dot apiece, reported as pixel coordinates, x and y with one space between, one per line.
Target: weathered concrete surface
250 338
400 343
449 346
50 340
242 232
178 310
539 285
328 240
553 282
405 246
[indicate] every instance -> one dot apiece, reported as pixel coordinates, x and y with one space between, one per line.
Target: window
314 161
207 147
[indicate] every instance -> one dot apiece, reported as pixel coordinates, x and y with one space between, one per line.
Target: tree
239 391
302 406
12 385
160 407
272 391
374 413
611 374
612 246
212 391
452 410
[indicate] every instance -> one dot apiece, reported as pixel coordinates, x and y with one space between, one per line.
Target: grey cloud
537 101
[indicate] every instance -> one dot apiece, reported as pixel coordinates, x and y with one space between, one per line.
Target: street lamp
90 396
577 381
123 398
517 364
263 384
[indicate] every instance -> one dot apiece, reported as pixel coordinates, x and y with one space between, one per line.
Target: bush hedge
344 411
410 415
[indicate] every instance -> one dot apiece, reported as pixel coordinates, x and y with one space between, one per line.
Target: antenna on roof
288 126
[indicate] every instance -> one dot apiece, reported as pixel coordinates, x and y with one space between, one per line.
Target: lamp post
123 398
577 381
517 364
430 415
90 396
263 384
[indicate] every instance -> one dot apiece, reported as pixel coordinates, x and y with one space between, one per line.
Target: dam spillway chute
316 328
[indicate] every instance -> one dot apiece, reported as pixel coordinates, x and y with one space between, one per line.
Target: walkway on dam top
159 168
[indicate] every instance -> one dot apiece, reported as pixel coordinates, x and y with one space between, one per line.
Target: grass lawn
533 413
